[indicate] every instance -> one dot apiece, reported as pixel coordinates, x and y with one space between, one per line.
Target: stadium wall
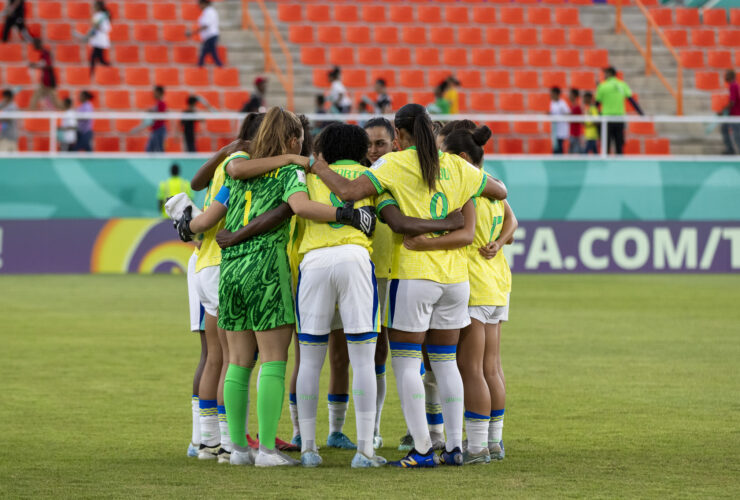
75 215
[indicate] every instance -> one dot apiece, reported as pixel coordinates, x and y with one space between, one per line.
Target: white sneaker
361 461
377 441
207 452
242 457
310 458
224 456
276 459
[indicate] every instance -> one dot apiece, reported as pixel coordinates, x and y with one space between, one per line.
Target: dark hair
575 92
67 102
86 95
381 81
250 125
334 72
8 94
381 122
450 127
588 94
467 141
610 71
414 119
320 99
101 5
159 89
555 90
175 170
341 141
307 146
193 99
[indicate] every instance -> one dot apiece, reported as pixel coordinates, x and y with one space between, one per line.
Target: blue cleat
296 440
454 457
415 460
310 458
341 441
192 451
361 461
496 450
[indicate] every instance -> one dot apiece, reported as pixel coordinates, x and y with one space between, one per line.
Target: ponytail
277 129
468 142
414 119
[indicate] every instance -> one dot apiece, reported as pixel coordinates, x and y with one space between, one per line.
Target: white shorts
420 305
206 283
196 310
490 315
337 276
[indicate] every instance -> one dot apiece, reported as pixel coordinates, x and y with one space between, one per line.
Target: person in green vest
172 186
611 94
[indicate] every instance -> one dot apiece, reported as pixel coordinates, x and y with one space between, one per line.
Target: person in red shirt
47 88
575 146
731 131
158 128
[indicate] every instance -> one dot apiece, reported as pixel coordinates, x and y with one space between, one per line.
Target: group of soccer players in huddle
290 249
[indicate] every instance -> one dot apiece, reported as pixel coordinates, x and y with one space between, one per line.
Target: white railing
55 116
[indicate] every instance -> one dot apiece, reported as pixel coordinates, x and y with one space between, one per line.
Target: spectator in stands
338 96
576 128
189 125
440 106
558 107
731 130
208 30
99 35
85 125
47 88
611 94
172 186
591 129
68 128
8 127
256 102
15 16
451 94
383 102
158 131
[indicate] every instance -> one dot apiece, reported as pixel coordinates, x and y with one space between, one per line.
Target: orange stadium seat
499 127
36 124
737 58
455 57
422 98
484 57
641 128
79 10
538 15
538 102
429 14
156 54
318 13
526 128
539 58
662 16
12 53
539 146
692 59
117 99
101 125
412 78
219 126
510 146
226 77
470 36
49 10
583 80
41 144
498 36
720 59
329 34
581 37
354 78
427 56
553 79
735 17
715 17
203 144
119 33
312 55
687 17
401 13
708 80
341 56
176 98
373 13
300 34
191 11
77 75
657 146
143 100
388 75
126 53
414 35
166 77
437 76
185 55
320 78
482 101
358 34
484 15
289 12
525 36
212 97
399 56
135 11
442 35
345 13
174 33
567 16
729 38
197 77
107 144
469 79
386 34
553 36
145 32
526 79
457 14
137 76
399 99
512 15
513 102
370 56
702 37
173 144
596 58
677 37
58 32
107 76
719 101
511 57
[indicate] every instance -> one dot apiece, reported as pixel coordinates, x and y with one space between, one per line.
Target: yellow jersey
332 234
382 246
591 129
490 280
400 174
210 252
170 187
297 228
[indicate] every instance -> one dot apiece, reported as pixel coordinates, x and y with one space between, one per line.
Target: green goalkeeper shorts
254 291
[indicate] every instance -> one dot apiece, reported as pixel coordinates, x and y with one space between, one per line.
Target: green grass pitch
618 386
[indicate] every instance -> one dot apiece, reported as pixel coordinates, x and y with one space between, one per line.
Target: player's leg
313 353
292 398
338 397
497 389
210 436
470 351
196 320
435 420
381 357
223 423
241 345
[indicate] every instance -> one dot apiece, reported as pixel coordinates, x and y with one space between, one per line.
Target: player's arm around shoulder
243 167
455 239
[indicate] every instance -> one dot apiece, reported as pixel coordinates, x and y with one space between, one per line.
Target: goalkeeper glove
183 225
362 218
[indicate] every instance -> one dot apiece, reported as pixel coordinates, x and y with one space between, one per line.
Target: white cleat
192 451
208 452
242 457
310 458
277 459
361 461
224 456
377 442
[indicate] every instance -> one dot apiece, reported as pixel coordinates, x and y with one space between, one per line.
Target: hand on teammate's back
362 218
302 161
225 238
456 219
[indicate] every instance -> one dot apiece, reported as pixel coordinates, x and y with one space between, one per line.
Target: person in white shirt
561 130
338 97
208 30
99 35
68 128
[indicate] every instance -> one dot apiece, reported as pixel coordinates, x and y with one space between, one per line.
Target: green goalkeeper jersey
252 197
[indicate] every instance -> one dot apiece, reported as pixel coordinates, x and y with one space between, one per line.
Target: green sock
270 396
236 395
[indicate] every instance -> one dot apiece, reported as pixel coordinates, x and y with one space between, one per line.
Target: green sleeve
599 92
383 201
293 178
375 181
626 89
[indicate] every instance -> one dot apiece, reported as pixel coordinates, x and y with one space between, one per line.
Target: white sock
195 409
433 407
449 383
223 425
380 397
406 361
364 388
476 426
210 435
496 426
337 411
313 352
294 414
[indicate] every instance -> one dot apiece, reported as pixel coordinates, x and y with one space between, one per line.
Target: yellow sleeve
381 173
473 179
383 201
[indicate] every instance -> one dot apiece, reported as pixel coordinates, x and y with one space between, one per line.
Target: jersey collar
345 162
439 151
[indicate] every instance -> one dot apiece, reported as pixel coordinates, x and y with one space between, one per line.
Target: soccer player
490 284
256 306
196 326
428 291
